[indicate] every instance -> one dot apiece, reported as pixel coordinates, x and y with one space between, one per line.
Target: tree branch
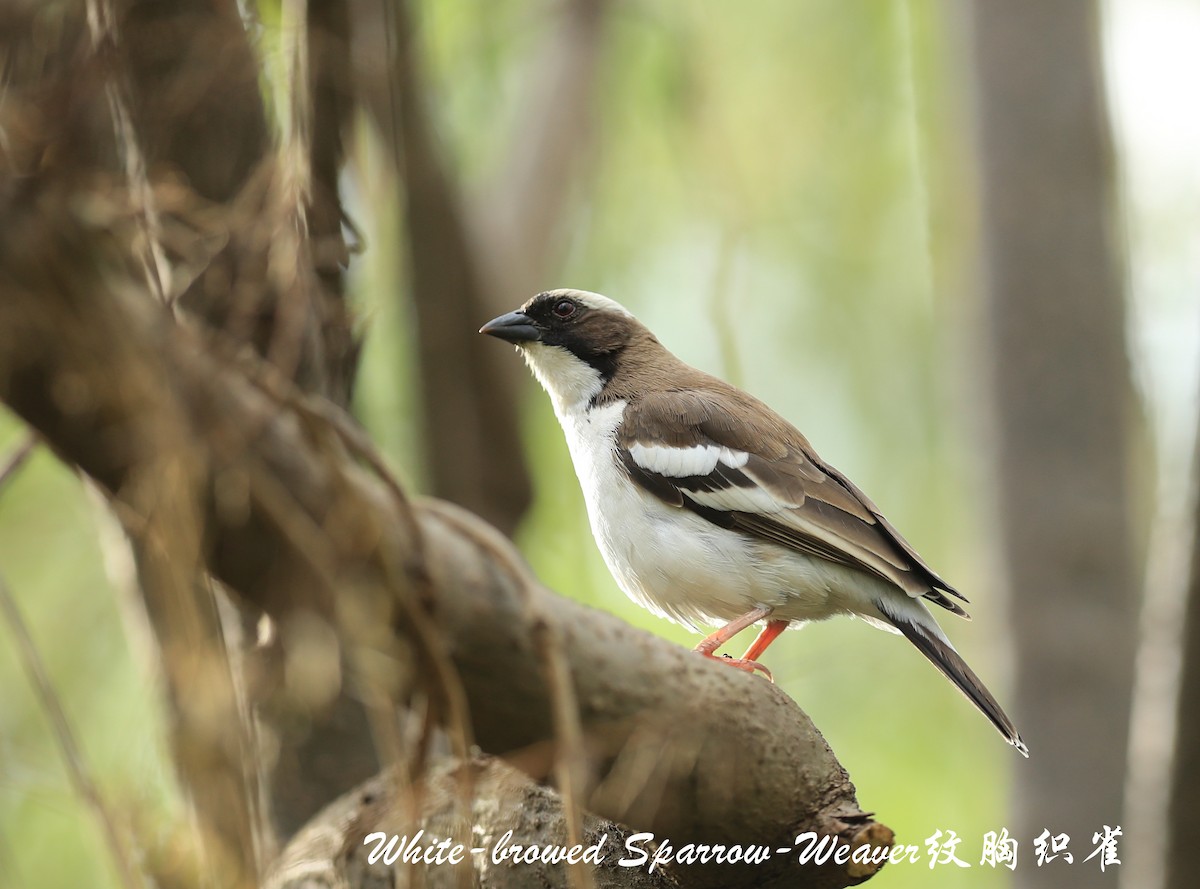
331 851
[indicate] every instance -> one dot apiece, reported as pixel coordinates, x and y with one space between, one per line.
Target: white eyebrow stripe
594 300
676 462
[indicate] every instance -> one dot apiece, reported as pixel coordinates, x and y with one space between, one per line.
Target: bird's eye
563 309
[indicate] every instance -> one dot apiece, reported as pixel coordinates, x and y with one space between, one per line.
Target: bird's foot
740 663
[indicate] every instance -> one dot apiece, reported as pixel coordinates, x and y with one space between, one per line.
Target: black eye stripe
554 310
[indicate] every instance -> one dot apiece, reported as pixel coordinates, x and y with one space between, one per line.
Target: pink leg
766 636
713 641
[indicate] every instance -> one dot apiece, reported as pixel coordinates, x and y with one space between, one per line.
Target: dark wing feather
781 491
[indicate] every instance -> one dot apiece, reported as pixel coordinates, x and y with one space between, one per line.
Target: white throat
570 382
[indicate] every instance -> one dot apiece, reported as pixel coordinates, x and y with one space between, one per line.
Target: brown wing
729 458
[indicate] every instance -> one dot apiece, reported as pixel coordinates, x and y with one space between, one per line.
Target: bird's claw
742 664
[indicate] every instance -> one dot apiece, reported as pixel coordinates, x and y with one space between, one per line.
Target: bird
709 508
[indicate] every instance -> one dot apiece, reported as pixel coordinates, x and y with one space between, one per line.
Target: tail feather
932 643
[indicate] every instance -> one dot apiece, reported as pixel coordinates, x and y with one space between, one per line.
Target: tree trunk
1063 415
1183 809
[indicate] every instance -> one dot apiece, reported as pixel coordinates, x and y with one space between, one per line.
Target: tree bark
1063 414
1183 808
333 850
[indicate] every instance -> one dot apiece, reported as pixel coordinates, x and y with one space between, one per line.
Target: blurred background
958 245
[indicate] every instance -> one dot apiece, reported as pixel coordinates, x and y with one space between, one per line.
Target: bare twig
571 767
409 579
102 23
208 743
323 414
60 726
570 758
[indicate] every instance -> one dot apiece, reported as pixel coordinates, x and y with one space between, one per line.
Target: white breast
678 564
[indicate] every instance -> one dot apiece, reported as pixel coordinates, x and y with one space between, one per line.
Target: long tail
919 627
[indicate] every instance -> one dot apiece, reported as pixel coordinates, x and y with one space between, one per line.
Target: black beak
515 327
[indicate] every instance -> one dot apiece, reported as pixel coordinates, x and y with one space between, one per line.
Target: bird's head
571 339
